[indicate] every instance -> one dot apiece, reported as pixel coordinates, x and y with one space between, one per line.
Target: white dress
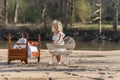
56 37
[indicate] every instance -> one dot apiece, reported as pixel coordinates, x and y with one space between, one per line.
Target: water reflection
80 45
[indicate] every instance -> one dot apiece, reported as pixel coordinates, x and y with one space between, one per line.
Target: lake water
81 45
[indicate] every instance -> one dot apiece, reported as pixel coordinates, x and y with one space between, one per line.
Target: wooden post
9 42
26 61
39 42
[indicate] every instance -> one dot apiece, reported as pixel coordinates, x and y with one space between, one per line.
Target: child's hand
53 42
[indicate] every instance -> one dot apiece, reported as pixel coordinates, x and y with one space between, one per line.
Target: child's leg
58 57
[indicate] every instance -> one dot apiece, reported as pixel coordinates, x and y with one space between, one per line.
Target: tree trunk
61 4
43 15
16 11
100 15
71 13
66 13
1 8
115 18
62 7
6 12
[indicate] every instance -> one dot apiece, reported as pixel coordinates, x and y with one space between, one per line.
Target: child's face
56 27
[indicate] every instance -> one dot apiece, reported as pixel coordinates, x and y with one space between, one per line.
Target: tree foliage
32 10
83 10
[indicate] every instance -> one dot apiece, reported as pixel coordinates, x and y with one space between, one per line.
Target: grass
75 25
94 26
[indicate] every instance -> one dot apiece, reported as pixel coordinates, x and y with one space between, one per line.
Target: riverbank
85 65
85 33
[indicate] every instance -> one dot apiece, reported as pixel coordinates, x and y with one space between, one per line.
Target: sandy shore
85 65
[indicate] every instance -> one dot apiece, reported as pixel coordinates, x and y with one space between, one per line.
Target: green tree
83 11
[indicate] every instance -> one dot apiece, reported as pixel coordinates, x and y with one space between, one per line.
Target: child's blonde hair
59 25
